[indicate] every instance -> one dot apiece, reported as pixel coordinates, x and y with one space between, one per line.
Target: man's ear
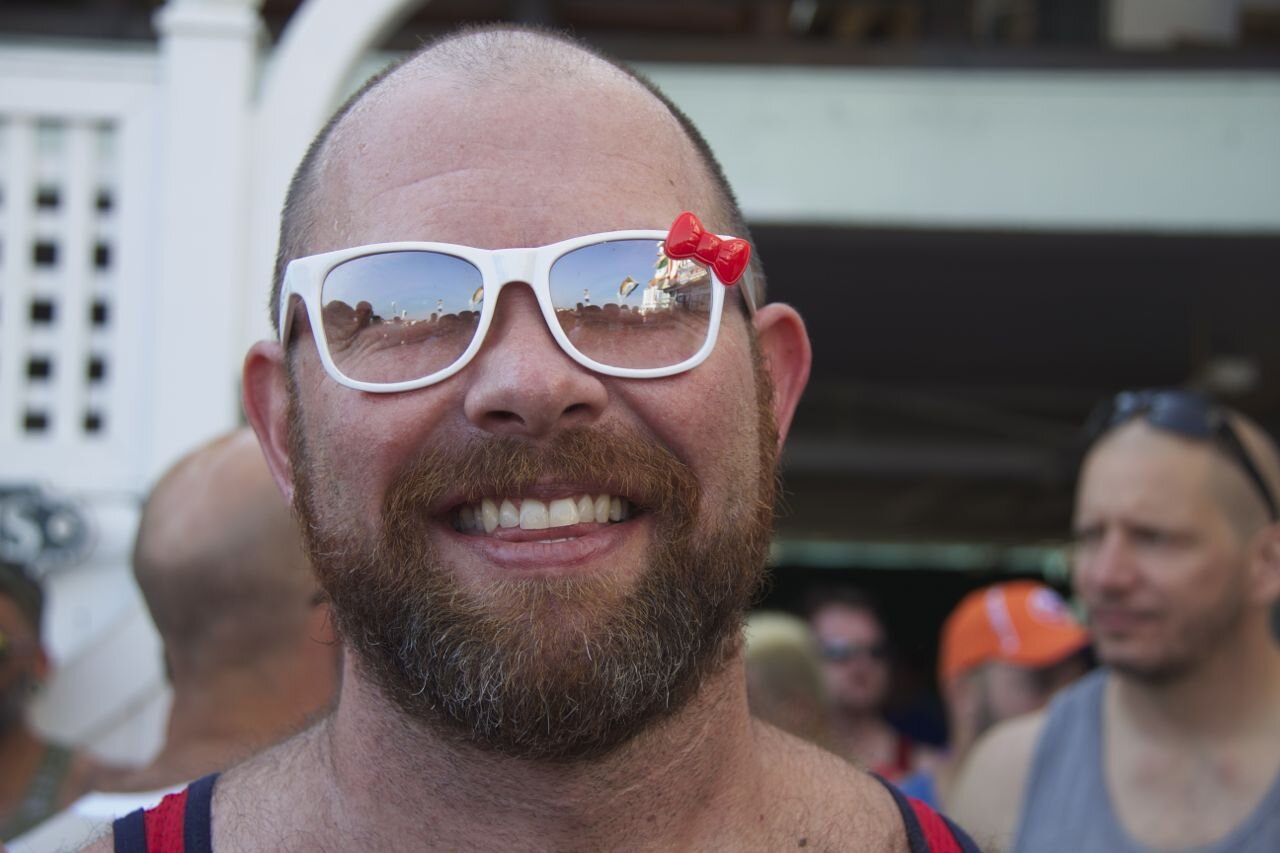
1266 563
784 345
266 405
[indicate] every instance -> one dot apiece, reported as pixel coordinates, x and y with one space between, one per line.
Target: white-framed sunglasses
640 304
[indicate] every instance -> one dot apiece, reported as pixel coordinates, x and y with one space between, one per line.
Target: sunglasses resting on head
635 304
1184 413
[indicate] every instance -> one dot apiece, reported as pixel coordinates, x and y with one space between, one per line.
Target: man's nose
1108 566
521 383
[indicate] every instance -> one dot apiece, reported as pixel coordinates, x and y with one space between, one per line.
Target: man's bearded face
547 667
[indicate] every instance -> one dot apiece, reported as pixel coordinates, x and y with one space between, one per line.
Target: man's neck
686 778
1232 691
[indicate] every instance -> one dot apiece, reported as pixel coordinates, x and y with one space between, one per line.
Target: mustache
614 460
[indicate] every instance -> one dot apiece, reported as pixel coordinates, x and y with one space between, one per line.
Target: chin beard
550 668
1155 673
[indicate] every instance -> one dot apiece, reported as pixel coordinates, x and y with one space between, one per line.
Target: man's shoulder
257 792
840 802
105 844
1006 751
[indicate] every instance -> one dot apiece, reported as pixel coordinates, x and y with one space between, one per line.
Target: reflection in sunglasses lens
399 316
626 304
395 316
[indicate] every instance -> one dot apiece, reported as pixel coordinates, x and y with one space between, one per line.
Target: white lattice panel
77 186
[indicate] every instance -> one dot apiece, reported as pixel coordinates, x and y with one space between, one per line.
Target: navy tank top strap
130 833
197 823
917 842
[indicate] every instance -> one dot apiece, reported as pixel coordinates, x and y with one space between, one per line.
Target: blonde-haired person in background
785 686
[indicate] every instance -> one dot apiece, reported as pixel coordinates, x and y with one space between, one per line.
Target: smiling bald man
537 483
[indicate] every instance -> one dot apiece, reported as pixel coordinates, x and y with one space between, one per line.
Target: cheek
879 673
362 441
708 418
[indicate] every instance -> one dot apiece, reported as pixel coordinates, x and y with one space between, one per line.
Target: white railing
77 177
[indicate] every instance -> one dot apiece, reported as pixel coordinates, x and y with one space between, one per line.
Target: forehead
843 620
496 164
1149 472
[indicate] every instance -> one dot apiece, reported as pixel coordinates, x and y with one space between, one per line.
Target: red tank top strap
179 823
928 831
164 824
937 835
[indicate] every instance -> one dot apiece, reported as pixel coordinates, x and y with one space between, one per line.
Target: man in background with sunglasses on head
536 483
1175 743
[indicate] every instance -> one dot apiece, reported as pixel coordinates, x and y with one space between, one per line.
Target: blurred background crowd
993 214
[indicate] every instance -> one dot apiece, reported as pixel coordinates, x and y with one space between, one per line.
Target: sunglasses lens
626 304
398 316
1185 414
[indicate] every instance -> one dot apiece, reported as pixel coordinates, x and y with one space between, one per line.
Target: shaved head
1235 491
444 82
219 561
1175 558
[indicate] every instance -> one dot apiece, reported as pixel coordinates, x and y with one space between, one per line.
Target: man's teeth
534 514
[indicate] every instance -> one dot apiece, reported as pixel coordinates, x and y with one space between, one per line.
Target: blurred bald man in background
248 646
1174 743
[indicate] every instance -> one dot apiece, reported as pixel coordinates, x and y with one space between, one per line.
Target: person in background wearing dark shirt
37 778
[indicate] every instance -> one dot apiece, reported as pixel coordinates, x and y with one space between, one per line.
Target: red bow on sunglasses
688 239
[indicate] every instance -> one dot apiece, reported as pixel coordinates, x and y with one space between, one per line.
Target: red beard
547 668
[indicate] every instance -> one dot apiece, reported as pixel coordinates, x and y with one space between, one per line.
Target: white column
209 51
309 75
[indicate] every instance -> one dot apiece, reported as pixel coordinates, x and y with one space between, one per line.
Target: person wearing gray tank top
1067 807
1174 745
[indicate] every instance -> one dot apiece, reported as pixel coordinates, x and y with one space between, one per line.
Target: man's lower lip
554 550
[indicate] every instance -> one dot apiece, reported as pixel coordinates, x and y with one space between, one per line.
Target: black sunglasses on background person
839 651
1184 413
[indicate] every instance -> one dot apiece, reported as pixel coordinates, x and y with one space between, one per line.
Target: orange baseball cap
1021 622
